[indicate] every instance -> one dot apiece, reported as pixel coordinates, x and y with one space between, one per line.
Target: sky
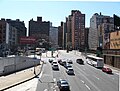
55 11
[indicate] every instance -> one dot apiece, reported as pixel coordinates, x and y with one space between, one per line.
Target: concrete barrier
12 64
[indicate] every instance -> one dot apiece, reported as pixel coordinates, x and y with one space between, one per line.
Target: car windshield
70 69
64 82
56 65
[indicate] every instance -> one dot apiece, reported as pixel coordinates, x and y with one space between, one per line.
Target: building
53 37
95 21
39 29
78 29
86 38
60 36
8 37
64 38
104 31
69 31
112 55
20 26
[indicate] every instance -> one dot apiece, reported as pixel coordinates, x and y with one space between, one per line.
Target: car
59 60
68 66
70 61
55 67
107 70
80 61
54 62
70 71
63 85
50 60
64 63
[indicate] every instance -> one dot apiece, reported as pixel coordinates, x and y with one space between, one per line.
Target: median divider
17 78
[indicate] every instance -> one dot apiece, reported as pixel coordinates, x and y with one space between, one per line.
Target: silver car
70 71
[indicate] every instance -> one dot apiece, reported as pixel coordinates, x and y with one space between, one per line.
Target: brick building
39 29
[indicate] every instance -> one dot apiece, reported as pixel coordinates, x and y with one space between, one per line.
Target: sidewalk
19 77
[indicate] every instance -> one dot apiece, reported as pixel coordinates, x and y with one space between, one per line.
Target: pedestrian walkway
19 77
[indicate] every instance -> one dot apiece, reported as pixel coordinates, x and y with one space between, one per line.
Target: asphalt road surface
86 78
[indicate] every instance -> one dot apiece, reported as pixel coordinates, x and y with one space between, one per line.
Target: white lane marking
87 86
82 81
54 79
45 90
90 81
97 77
41 74
82 71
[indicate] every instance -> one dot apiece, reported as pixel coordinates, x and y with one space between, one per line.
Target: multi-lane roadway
86 78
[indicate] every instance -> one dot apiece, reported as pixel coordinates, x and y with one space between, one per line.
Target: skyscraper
103 23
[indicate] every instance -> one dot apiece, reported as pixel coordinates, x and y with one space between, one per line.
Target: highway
86 78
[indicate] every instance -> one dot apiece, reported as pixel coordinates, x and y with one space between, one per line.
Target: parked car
55 67
70 71
80 61
107 70
63 85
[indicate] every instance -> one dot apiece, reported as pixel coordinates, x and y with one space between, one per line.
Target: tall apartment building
20 26
8 37
86 38
104 31
69 31
39 29
78 29
60 36
53 37
95 21
64 38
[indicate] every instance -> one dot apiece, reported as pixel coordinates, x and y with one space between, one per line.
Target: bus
95 61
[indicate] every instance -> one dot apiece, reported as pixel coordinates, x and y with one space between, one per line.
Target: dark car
55 67
70 71
80 61
50 60
63 85
64 63
107 70
59 61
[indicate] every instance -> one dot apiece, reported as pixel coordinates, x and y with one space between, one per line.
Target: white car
55 67
54 62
